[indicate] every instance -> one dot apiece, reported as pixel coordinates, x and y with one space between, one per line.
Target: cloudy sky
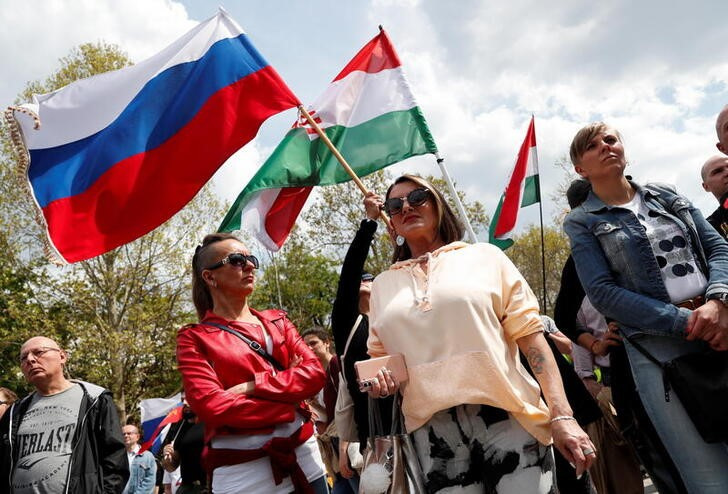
657 70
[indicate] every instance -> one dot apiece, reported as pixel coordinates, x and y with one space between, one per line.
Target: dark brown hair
318 332
449 226
200 292
584 137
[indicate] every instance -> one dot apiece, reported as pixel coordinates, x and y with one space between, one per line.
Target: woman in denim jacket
648 259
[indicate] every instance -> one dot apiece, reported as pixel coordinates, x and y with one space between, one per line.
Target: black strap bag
700 380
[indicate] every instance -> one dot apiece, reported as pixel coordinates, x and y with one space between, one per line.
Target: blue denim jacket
143 474
617 266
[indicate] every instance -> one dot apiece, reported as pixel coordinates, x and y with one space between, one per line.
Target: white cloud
639 68
36 34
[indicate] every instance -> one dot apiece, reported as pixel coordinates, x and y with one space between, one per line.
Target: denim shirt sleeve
716 254
636 312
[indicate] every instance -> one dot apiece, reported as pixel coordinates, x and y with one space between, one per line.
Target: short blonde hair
584 137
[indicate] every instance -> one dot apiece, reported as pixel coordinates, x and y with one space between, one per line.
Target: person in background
350 317
617 470
650 261
319 341
586 410
459 314
7 398
184 452
562 342
142 465
324 405
715 180
172 481
246 374
88 452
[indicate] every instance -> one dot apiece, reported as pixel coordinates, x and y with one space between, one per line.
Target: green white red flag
523 189
371 116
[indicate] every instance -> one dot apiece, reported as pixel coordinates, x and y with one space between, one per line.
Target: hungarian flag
523 189
372 118
112 157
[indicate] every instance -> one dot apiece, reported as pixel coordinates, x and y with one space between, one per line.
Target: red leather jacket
212 360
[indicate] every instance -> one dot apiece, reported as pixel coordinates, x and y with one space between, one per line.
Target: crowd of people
498 397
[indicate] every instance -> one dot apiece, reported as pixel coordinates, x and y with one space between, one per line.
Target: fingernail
578 477
572 465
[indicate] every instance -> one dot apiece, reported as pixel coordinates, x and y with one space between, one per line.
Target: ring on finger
587 451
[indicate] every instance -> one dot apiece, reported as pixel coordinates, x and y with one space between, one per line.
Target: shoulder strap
653 359
346 347
644 351
254 345
351 335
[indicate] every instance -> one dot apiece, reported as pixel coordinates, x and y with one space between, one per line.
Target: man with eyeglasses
142 466
64 436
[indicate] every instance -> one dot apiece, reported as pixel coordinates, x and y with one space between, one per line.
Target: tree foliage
526 255
558 196
300 281
20 313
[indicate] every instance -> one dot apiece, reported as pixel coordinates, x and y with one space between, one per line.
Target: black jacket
568 302
343 316
719 221
98 457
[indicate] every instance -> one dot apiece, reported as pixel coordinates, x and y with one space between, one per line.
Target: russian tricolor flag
158 414
118 154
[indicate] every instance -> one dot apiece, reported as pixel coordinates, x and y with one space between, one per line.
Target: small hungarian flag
523 189
371 116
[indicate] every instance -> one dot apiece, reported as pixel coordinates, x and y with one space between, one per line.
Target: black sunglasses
236 259
415 198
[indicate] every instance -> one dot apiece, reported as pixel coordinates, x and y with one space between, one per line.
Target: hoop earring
399 241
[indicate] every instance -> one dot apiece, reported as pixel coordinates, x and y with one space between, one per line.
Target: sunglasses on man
415 198
236 259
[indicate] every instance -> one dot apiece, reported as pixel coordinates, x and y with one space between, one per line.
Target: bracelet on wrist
559 418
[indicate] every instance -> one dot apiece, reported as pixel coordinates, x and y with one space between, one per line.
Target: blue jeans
346 486
320 486
702 466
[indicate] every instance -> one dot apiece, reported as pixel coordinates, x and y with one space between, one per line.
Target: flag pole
456 198
543 249
341 159
540 217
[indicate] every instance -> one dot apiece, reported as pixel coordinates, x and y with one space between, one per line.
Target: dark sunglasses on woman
415 198
236 259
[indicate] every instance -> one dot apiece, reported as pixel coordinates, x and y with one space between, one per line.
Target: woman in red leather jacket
248 393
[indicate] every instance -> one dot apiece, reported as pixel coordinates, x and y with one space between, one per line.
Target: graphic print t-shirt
44 442
683 280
